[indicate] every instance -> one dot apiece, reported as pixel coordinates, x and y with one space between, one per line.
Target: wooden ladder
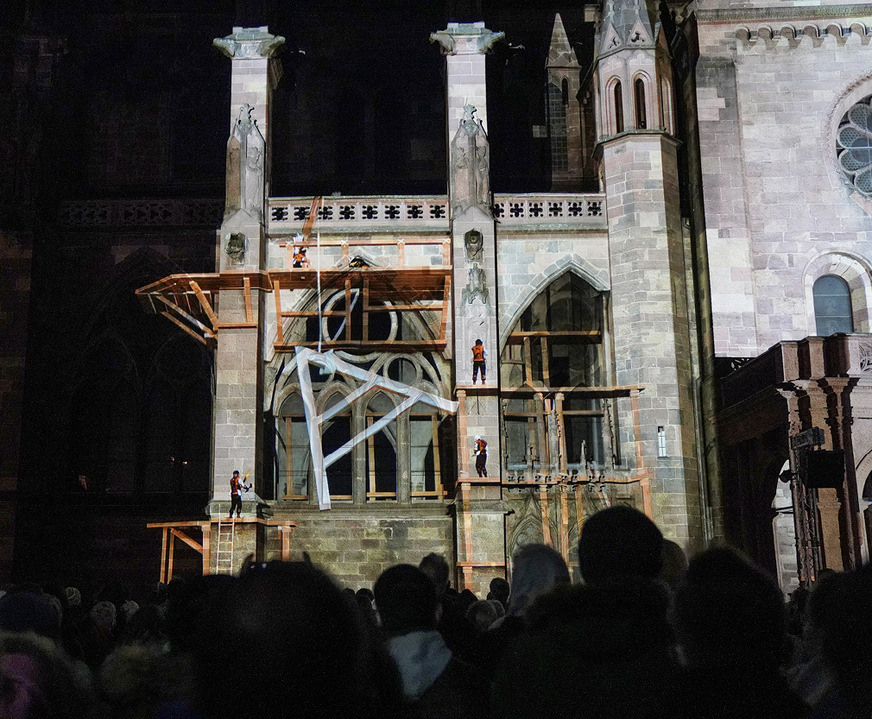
225 545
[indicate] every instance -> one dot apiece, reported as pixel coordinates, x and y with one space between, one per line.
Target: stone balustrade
430 214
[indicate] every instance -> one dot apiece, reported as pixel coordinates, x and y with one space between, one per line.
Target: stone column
474 296
238 415
651 324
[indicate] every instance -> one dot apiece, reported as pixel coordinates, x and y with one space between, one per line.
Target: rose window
854 146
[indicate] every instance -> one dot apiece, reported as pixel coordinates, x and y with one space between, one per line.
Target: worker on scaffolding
479 357
236 487
480 456
300 259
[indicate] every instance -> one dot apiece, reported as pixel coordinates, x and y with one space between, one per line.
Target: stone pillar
238 415
651 329
474 280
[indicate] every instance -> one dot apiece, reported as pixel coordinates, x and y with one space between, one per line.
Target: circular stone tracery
854 146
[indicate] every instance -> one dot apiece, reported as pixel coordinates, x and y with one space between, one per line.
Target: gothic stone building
672 314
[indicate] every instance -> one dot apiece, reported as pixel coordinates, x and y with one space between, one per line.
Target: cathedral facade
676 317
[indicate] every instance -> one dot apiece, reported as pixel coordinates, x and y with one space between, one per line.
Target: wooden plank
564 525
543 507
187 540
367 242
163 556
347 328
285 535
277 293
190 318
437 462
546 362
594 392
207 547
171 558
370 454
185 327
204 303
249 312
461 432
446 299
236 325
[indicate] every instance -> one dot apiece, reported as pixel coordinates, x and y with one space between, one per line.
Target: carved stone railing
141 212
361 214
573 210
430 214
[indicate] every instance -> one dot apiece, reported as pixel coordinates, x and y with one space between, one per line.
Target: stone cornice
786 14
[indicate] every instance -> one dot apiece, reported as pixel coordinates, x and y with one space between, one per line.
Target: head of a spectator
22 611
484 613
406 600
104 615
536 568
840 625
499 590
435 566
38 680
321 661
618 542
728 612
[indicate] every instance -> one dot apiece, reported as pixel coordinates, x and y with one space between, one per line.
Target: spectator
730 627
435 683
296 641
617 542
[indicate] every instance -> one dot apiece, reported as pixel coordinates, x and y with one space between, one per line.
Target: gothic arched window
639 97
619 108
832 305
553 359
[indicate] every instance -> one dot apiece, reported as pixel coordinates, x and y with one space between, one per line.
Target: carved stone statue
245 167
476 287
473 241
470 166
235 246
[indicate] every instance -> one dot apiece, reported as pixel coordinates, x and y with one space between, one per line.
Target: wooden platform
174 530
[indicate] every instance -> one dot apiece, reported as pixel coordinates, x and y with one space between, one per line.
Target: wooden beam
207 547
249 311
546 521
204 303
277 293
446 299
190 318
175 320
171 558
187 540
163 556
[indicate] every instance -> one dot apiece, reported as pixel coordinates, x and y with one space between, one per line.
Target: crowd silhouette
644 635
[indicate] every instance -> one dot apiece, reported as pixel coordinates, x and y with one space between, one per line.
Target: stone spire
626 24
560 52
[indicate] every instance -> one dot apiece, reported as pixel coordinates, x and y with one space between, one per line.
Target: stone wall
770 100
356 544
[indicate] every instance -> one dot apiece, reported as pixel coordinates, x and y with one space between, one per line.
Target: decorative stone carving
245 167
488 39
865 350
476 287
470 166
473 241
445 41
249 43
235 246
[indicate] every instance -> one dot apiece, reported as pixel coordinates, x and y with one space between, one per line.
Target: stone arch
614 102
863 476
643 112
852 268
596 278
